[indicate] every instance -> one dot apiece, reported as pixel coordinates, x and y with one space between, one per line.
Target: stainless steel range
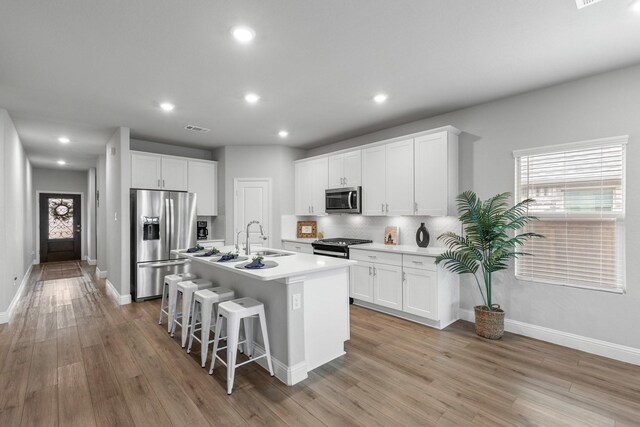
337 247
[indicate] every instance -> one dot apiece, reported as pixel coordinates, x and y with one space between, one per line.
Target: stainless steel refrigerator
160 221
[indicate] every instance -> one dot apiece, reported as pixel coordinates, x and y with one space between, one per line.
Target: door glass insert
60 218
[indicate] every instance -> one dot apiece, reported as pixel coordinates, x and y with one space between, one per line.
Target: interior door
252 201
60 227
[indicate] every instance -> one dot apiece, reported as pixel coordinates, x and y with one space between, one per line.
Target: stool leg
163 304
179 296
233 333
216 342
186 316
248 336
173 299
265 339
205 329
196 308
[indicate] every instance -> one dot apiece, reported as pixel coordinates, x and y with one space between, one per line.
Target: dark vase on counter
422 236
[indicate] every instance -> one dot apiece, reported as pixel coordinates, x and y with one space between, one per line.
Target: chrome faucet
247 248
238 240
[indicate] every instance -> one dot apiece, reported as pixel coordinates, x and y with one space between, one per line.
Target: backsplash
372 227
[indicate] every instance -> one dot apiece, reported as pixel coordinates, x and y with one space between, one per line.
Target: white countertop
400 249
295 240
297 264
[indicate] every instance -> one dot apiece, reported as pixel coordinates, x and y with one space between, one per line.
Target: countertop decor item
486 245
391 233
422 236
307 229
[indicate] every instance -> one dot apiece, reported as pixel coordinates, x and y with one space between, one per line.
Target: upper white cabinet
436 174
345 169
175 174
387 179
311 181
152 171
146 171
203 180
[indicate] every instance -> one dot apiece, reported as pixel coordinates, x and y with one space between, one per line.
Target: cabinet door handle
417 262
375 272
387 205
158 183
372 256
415 206
382 208
369 270
404 276
163 183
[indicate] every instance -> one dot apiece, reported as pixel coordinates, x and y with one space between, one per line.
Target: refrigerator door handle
167 226
173 225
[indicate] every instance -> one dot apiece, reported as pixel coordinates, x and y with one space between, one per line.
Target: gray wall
275 162
170 150
63 181
101 213
599 106
90 223
118 177
16 213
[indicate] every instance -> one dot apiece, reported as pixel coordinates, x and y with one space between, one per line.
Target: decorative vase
422 236
489 323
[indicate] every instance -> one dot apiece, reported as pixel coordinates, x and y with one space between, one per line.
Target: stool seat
185 291
169 291
203 308
235 312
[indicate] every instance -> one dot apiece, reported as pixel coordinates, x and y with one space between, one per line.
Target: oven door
343 200
330 250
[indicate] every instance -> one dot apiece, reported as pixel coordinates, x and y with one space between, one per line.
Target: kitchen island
306 300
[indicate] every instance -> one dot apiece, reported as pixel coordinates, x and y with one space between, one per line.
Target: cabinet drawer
376 257
418 261
298 247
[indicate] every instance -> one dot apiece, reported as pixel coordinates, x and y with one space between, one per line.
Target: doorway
252 202
60 227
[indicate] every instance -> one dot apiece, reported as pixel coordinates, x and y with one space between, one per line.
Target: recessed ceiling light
635 6
283 134
167 106
243 34
380 98
62 162
63 139
251 98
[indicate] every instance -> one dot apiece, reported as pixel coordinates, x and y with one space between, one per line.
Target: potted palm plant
485 248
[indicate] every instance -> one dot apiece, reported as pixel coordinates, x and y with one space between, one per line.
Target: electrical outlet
297 301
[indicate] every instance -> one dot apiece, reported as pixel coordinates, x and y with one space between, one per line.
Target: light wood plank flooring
71 357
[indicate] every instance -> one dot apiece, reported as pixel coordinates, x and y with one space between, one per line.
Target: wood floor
71 357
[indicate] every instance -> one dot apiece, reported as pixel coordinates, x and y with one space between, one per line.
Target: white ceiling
84 68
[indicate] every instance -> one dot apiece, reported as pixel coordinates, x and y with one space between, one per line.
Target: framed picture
391 233
307 229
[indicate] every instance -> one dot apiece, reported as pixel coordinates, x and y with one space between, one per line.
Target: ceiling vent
585 3
194 128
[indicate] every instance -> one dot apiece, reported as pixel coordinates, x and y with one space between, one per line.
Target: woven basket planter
489 324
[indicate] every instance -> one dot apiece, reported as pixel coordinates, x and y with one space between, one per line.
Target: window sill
568 285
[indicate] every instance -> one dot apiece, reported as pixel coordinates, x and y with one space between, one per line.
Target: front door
60 228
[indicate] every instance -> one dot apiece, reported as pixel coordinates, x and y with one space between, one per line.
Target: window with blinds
579 193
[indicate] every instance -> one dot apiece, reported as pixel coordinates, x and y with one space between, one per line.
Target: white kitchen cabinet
436 173
304 248
345 169
146 171
311 181
374 181
175 174
203 180
420 292
387 285
361 283
399 178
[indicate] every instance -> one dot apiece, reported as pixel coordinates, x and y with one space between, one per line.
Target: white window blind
579 193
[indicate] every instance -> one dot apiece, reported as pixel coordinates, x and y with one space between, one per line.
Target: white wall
595 107
170 150
275 162
16 214
101 213
63 181
118 179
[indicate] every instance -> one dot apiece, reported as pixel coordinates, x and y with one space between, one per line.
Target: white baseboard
288 375
566 339
6 315
101 274
90 261
121 299
402 315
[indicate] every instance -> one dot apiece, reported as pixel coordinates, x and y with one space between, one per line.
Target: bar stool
245 309
169 290
204 307
185 291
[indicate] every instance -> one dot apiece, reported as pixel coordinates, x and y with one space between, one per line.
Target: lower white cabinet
362 281
304 248
387 285
420 293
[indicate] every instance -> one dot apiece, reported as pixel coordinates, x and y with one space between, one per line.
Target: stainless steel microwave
343 200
